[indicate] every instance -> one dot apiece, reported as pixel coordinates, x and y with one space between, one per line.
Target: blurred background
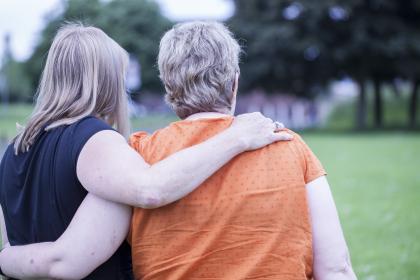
345 74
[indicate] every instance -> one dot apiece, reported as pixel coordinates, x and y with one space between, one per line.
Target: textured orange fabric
249 220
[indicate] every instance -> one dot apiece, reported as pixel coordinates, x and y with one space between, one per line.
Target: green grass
11 115
375 178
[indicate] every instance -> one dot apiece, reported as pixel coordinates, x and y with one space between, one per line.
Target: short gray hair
198 62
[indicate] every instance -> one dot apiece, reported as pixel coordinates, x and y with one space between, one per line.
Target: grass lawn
10 116
375 178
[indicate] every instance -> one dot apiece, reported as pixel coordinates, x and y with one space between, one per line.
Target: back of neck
206 115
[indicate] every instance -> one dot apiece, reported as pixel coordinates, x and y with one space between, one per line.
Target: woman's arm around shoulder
111 169
331 255
97 230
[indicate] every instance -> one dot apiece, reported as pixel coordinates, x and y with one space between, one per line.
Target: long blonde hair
84 75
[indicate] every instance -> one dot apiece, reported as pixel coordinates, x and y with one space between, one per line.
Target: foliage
310 42
136 25
299 46
291 46
17 87
14 83
283 47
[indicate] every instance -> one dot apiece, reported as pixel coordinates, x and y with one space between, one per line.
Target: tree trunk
361 106
413 104
396 89
377 106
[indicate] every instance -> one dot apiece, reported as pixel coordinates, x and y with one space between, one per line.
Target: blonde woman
70 158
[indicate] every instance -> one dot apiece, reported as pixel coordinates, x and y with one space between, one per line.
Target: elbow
150 194
151 203
59 268
151 200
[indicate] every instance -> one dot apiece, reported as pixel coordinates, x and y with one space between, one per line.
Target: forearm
43 260
109 168
182 172
79 250
28 262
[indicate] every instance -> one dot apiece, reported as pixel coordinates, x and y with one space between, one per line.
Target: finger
279 126
273 127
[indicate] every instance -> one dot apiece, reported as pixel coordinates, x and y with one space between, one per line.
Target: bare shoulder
105 137
99 147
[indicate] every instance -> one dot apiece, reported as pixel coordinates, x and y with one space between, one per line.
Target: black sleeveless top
40 192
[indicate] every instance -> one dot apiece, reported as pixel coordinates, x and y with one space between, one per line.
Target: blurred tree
15 85
73 10
283 47
136 25
375 39
409 62
298 46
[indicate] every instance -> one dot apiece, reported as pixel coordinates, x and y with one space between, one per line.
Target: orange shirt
249 220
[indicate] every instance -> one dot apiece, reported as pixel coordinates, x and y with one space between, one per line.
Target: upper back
39 189
243 221
40 192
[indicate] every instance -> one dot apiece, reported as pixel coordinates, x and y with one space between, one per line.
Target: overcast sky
23 19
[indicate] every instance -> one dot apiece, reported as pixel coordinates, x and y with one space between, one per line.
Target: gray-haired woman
69 157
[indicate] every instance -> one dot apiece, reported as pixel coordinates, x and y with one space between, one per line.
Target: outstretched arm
111 169
95 233
331 255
